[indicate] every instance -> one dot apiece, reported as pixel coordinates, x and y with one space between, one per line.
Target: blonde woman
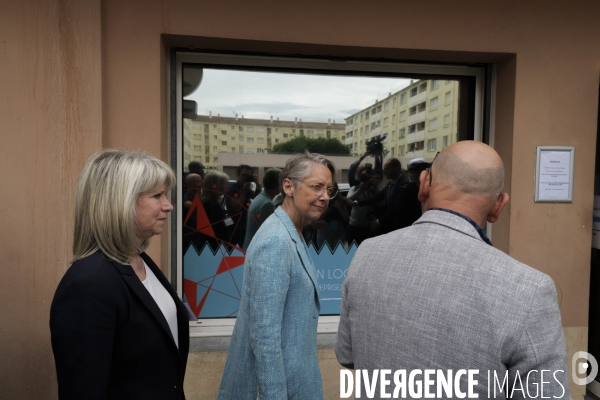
119 331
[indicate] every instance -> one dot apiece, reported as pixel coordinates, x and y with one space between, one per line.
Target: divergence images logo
581 367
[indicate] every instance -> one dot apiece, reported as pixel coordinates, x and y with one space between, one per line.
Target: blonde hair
213 183
106 202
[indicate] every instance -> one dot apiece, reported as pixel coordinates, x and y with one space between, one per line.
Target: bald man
437 301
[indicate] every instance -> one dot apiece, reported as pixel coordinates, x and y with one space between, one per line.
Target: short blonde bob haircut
106 203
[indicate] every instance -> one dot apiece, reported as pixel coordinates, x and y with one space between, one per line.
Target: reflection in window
212 266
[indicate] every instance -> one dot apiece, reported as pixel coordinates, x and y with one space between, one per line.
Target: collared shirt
479 229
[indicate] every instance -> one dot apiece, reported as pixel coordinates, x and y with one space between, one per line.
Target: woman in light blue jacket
273 350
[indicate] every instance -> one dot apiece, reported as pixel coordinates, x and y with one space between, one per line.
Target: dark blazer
399 211
110 340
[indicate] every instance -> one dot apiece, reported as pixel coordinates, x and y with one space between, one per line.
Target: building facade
418 121
206 136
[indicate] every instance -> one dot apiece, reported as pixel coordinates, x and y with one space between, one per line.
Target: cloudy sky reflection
287 96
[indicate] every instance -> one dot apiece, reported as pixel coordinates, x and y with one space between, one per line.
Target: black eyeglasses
430 169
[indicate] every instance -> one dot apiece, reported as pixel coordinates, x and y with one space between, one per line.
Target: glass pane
255 115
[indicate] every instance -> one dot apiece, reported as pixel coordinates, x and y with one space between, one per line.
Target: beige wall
83 74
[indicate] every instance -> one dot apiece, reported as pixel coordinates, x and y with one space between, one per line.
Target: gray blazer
436 296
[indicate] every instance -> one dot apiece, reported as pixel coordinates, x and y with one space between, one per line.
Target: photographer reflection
213 189
239 195
362 217
331 227
397 200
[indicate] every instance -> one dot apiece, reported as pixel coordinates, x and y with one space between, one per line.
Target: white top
163 300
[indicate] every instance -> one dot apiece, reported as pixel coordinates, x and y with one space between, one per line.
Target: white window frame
433 124
431 142
327 324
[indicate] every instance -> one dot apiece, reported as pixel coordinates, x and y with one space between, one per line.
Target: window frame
327 324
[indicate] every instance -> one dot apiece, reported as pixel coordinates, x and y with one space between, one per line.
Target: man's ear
288 187
423 186
499 204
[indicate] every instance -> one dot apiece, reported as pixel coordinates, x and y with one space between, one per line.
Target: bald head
467 177
470 167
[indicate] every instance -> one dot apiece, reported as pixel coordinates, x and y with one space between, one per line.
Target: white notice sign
554 175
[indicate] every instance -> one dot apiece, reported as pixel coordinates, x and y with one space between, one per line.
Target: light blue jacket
273 350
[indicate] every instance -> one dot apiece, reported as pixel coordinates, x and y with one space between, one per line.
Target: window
392 154
196 125
431 144
206 129
224 143
249 129
223 132
445 141
215 137
260 129
223 296
415 146
293 131
403 115
433 124
433 103
414 92
215 126
215 148
197 136
197 148
319 132
309 131
435 84
446 119
448 99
